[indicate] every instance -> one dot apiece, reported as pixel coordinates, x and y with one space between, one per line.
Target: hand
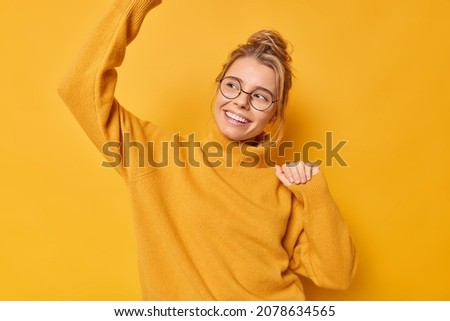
296 173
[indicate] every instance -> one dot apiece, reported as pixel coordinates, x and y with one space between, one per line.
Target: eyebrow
258 87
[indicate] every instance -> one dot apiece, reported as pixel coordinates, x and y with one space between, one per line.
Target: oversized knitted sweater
209 225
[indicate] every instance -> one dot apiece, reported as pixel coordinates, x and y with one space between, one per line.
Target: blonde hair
270 49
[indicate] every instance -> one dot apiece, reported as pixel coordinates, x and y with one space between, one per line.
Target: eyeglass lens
260 99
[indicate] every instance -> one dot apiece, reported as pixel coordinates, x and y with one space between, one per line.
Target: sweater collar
224 152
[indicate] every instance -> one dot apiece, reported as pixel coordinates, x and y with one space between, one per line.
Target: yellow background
375 73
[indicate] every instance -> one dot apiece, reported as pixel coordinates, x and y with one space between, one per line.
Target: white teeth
236 117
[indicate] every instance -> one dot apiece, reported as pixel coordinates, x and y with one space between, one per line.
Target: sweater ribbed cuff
315 193
137 9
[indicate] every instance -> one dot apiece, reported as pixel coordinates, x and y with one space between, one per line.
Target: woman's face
236 118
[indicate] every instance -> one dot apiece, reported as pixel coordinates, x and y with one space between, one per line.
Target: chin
232 131
232 135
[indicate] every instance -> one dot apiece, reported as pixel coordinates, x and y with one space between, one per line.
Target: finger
287 172
298 173
295 172
314 168
308 172
301 173
279 173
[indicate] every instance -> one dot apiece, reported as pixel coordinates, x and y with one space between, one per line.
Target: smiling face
236 118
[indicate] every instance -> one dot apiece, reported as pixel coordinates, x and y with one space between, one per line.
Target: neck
229 153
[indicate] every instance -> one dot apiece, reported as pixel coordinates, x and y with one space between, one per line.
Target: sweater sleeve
89 84
317 237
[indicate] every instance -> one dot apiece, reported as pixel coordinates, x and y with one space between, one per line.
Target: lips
240 119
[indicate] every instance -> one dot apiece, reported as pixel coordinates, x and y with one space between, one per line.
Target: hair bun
271 42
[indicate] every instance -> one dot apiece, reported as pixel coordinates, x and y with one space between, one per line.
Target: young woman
213 220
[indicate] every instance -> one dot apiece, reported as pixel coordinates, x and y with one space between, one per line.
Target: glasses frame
245 92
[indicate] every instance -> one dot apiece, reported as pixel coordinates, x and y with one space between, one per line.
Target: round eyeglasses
260 98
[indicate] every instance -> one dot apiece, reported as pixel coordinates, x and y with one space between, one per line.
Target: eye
262 95
232 84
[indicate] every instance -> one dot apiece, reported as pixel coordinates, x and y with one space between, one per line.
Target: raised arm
317 237
89 84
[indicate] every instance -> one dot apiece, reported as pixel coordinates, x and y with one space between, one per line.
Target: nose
243 100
